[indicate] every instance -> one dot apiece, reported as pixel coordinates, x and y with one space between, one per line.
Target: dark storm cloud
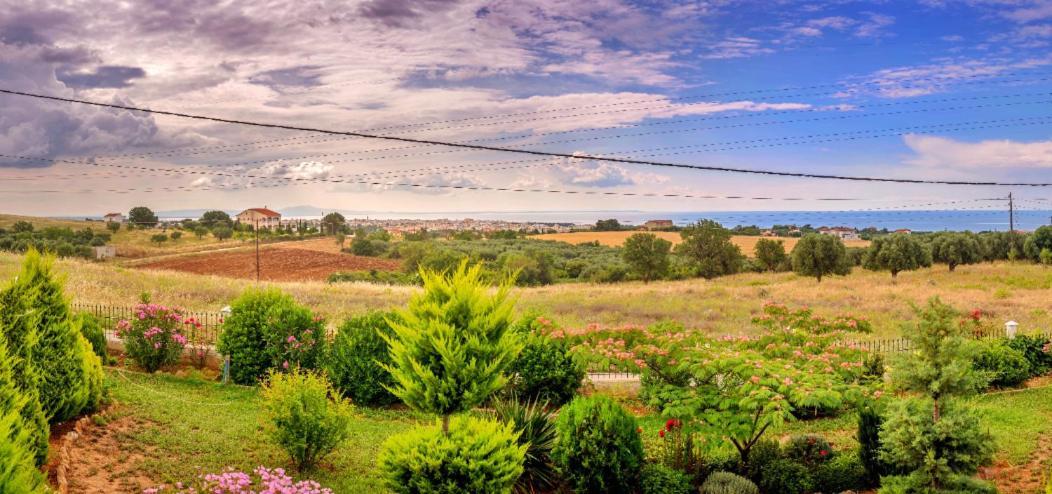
397 13
302 76
23 28
111 76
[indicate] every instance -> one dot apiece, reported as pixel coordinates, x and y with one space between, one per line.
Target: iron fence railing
109 315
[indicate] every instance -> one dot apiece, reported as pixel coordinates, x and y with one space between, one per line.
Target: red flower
661 433
639 430
823 452
672 424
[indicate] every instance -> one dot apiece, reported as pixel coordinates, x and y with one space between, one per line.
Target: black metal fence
109 315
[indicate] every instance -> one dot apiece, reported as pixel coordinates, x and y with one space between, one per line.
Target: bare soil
104 461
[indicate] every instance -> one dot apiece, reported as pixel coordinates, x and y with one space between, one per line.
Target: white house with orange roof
260 218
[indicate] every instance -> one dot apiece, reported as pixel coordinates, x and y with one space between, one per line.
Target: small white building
260 218
104 252
842 232
113 218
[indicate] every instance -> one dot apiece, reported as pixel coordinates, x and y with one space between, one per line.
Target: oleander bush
1003 365
475 455
810 450
728 483
545 368
267 329
304 416
153 336
356 358
598 447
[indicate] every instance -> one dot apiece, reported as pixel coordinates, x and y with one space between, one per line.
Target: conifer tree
18 472
930 432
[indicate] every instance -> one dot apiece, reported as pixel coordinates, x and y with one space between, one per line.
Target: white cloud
943 152
591 173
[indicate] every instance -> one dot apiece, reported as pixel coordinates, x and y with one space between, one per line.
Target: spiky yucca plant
449 349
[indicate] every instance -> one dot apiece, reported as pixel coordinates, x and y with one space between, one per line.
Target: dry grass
614 239
1022 292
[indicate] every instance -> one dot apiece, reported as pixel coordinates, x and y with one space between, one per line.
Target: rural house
260 218
658 225
843 232
113 218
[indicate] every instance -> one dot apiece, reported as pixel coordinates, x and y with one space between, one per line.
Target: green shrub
868 436
844 472
304 416
599 448
1004 365
728 483
92 331
809 449
762 453
1037 350
267 329
546 370
909 484
656 478
785 477
535 427
356 356
18 326
475 456
18 472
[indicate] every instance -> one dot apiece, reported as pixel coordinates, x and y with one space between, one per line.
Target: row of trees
706 251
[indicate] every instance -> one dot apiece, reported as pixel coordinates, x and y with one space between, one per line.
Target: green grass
192 426
195 426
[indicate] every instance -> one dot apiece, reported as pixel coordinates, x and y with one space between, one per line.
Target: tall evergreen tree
18 472
930 432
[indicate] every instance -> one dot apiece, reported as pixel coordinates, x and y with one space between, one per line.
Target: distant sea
928 220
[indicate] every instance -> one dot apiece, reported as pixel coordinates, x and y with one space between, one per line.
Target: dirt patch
103 462
292 261
1025 478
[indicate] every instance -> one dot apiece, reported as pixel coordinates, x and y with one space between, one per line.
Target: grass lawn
1019 291
188 426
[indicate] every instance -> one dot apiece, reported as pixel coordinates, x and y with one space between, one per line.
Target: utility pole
256 230
1011 214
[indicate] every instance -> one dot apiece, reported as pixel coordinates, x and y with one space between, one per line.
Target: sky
955 90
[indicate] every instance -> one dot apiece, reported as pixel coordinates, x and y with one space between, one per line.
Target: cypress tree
18 472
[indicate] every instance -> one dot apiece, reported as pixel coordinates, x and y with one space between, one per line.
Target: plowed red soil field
289 262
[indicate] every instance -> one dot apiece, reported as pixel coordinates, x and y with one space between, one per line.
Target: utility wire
533 152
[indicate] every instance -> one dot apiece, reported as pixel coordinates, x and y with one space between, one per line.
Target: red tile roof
265 212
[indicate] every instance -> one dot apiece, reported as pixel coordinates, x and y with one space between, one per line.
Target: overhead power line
531 152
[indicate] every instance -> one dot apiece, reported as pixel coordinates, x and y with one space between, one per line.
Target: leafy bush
92 331
305 416
656 478
474 456
598 449
728 483
785 476
18 472
678 450
545 369
63 242
356 357
844 472
959 484
152 338
1002 364
267 329
810 450
535 427
763 452
1037 350
868 436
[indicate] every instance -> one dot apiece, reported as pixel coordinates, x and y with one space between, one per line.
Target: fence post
226 370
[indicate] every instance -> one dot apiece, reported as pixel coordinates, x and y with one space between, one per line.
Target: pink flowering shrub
153 337
264 481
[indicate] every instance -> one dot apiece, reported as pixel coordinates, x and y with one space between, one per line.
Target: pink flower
285 365
755 379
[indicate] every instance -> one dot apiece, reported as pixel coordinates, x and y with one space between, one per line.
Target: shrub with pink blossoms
152 338
264 481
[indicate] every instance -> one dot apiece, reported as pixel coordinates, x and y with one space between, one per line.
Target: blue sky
931 89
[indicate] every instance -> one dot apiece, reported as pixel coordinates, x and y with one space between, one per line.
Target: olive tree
771 254
708 249
956 249
896 253
819 256
1038 241
142 217
647 255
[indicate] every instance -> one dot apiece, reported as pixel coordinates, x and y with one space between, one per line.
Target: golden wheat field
1018 291
614 239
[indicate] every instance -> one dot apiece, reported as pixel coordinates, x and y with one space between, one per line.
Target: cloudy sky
953 89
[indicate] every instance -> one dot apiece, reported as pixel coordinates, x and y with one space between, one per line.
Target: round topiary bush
355 358
475 456
728 483
1004 365
267 329
546 370
598 447
809 449
656 478
304 416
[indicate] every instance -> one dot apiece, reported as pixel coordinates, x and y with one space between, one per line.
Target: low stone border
65 458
